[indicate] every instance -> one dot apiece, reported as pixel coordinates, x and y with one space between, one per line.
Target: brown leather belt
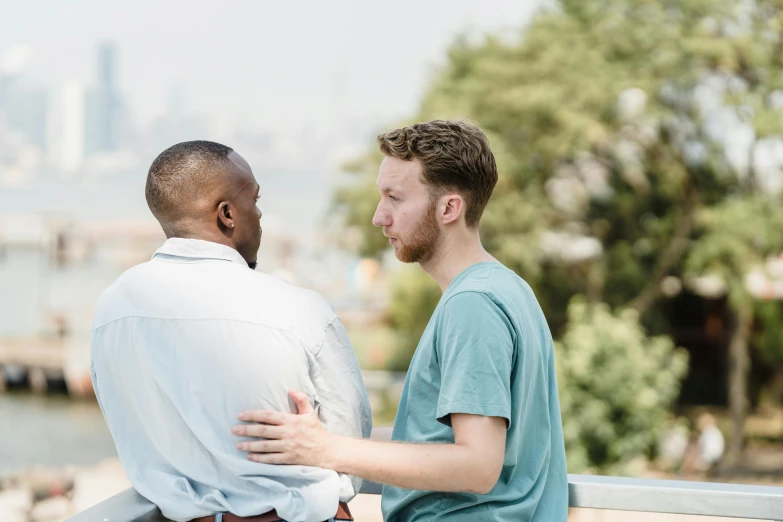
343 513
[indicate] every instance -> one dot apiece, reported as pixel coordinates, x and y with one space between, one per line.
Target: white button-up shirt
183 343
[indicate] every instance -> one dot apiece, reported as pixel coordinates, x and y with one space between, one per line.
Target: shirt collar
199 249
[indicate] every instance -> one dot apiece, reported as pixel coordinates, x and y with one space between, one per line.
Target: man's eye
393 198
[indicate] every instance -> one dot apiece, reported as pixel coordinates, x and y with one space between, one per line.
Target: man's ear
225 215
450 208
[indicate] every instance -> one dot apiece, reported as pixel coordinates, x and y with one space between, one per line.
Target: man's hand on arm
471 464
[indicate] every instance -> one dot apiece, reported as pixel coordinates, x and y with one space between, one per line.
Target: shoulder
488 285
491 295
115 295
314 304
312 316
473 310
310 299
466 298
305 307
505 288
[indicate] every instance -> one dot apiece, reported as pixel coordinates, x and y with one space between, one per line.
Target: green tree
414 296
616 125
609 419
768 337
737 235
356 203
592 117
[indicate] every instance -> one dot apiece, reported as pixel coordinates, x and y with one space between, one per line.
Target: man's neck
455 253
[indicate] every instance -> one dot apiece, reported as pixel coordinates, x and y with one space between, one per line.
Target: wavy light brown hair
454 155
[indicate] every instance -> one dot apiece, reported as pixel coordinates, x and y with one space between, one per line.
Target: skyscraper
103 105
23 103
25 106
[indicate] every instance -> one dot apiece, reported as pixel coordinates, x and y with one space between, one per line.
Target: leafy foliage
610 419
636 140
414 297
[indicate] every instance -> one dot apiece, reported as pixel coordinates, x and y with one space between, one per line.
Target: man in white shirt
182 343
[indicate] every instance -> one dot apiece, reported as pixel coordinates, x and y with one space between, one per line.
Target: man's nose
381 217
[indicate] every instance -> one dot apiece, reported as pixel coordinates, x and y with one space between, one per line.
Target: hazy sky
256 59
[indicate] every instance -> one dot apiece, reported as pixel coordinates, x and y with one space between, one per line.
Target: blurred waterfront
52 431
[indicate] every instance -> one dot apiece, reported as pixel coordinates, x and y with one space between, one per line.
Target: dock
43 361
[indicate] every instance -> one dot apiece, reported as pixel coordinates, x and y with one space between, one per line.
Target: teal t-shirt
487 350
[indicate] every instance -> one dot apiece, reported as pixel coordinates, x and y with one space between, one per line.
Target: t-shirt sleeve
475 346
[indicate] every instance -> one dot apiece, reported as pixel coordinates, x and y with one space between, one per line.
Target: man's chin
403 256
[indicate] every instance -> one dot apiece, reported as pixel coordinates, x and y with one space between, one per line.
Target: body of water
52 431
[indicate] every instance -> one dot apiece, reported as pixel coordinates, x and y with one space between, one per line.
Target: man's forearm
434 467
472 463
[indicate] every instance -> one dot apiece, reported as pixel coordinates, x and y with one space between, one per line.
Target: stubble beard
421 245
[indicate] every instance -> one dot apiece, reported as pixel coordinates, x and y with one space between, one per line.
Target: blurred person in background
478 433
183 342
707 447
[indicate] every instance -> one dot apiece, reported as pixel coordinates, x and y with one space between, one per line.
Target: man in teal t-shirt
486 351
478 434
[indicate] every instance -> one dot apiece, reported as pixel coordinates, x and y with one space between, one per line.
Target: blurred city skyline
92 94
234 57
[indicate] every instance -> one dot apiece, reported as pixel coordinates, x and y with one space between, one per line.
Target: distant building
103 105
72 129
25 106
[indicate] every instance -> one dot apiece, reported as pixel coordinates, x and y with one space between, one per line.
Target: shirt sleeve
94 375
343 404
475 348
94 379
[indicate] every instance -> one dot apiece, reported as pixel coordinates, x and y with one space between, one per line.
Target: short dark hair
180 170
454 155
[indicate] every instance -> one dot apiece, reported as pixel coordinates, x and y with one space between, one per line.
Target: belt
343 513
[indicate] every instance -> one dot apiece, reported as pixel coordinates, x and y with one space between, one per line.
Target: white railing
584 491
